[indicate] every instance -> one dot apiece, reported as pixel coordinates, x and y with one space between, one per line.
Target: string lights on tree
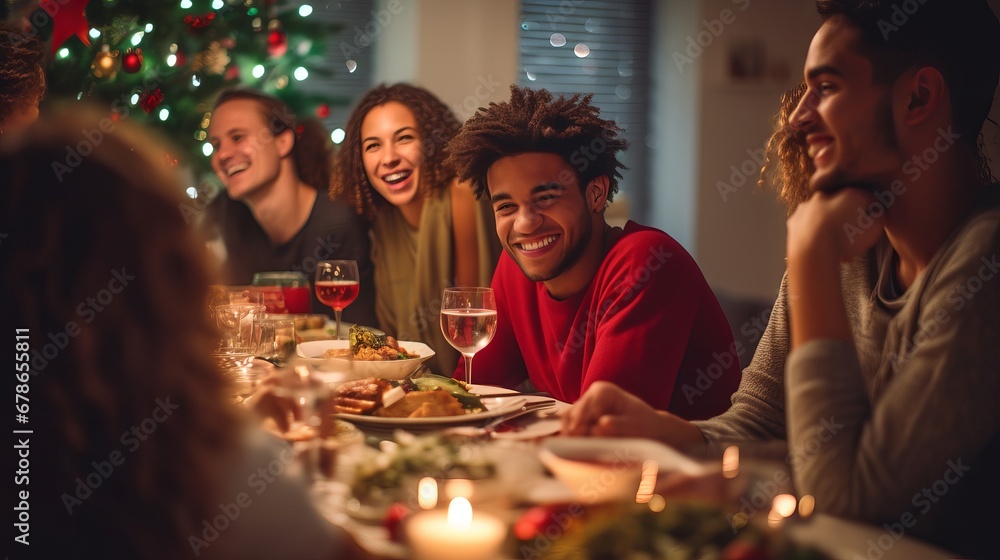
164 62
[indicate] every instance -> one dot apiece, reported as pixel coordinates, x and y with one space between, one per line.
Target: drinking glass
220 294
277 340
294 287
304 393
238 341
337 285
468 321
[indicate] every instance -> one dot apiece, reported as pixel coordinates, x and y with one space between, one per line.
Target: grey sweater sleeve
757 416
866 447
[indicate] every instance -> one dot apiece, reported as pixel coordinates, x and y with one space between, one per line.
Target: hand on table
606 410
282 412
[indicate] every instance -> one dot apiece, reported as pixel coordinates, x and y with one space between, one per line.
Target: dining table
404 525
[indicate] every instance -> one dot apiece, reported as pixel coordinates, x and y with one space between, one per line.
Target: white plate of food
316 351
495 406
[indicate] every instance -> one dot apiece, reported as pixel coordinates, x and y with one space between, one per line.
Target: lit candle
650 470
427 493
731 462
782 506
455 535
806 506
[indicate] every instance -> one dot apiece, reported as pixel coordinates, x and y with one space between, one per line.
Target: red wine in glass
338 294
337 285
297 299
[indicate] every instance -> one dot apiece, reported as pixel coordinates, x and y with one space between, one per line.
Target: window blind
600 47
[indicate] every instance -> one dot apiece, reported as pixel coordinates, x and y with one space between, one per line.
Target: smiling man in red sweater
579 300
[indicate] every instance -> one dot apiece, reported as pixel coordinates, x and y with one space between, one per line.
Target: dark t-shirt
332 231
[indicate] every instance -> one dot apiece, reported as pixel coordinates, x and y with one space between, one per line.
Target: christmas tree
163 62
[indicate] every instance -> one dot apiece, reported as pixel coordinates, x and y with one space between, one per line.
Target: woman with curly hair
135 448
787 166
22 79
428 231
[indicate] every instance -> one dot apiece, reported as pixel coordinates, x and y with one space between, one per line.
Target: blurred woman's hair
110 284
22 77
313 145
313 149
787 165
437 125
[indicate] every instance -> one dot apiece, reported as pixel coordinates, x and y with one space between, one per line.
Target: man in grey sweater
885 395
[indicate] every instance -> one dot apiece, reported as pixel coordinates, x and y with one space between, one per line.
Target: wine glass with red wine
337 285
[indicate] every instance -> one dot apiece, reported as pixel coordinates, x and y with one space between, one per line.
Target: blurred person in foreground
136 451
580 301
878 366
274 214
428 232
22 80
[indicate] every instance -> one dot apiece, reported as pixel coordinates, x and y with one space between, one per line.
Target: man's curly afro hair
532 121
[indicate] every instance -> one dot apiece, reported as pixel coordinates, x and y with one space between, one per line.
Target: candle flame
784 505
806 506
774 519
731 462
459 514
647 483
427 493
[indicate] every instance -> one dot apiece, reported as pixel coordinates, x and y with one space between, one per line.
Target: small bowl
386 369
608 469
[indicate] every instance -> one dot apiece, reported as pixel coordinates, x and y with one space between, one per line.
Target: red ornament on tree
277 42
149 100
323 111
197 23
132 61
67 20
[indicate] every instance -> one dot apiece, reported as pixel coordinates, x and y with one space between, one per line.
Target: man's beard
838 178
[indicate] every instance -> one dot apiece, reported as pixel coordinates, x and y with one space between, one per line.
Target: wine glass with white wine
468 321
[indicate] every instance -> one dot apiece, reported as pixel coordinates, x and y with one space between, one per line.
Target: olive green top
414 266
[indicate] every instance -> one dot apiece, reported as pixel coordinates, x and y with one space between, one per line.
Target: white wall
706 121
464 51
674 125
741 233
703 122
